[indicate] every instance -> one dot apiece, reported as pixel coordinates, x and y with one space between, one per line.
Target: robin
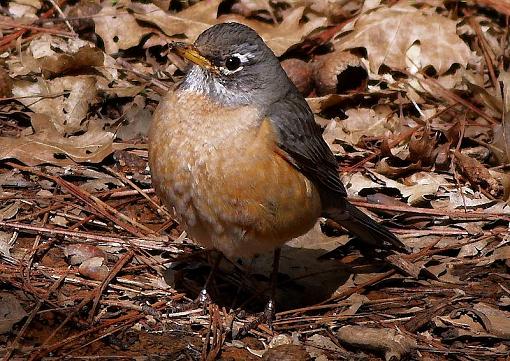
235 151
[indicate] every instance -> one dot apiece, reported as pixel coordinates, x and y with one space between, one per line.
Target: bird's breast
220 170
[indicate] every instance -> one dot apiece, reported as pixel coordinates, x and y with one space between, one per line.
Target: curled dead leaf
52 55
478 175
423 147
395 170
338 72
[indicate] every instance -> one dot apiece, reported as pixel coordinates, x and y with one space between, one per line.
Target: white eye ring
244 57
225 71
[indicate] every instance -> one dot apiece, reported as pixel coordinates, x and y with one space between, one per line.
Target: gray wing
301 138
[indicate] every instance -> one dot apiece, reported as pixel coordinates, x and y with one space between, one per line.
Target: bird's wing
300 138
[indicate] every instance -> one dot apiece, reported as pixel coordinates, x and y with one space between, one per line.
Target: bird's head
233 66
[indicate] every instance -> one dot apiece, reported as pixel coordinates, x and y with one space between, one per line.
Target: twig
61 13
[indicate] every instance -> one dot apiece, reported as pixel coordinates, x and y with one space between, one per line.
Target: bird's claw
203 300
266 317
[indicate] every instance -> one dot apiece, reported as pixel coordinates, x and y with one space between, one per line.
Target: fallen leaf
189 22
420 185
360 122
119 29
9 209
78 253
94 268
65 101
499 321
281 37
195 19
11 312
47 145
478 175
5 246
389 32
393 344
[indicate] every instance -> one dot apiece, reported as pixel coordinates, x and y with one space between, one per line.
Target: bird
235 151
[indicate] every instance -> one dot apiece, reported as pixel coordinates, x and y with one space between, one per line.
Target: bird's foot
203 300
266 317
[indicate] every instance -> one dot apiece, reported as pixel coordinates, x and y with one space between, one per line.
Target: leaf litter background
414 98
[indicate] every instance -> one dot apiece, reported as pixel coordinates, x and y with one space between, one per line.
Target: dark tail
354 220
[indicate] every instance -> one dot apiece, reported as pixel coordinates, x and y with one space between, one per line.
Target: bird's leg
269 311
203 297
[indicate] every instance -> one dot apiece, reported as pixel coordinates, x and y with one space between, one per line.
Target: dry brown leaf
482 321
66 112
55 55
281 37
388 34
47 145
499 321
478 175
386 167
5 84
338 71
9 209
118 29
501 143
189 22
94 268
394 344
319 104
192 21
416 187
11 312
361 122
77 253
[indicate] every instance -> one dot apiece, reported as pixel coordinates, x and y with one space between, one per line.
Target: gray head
233 66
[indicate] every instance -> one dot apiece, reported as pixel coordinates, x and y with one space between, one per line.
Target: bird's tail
354 220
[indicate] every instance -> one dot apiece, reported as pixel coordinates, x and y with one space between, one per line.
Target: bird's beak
191 53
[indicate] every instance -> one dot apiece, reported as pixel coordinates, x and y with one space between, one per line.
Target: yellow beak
191 53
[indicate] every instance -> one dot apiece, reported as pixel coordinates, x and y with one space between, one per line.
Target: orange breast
221 172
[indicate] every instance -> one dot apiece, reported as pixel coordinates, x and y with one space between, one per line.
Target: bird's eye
232 63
